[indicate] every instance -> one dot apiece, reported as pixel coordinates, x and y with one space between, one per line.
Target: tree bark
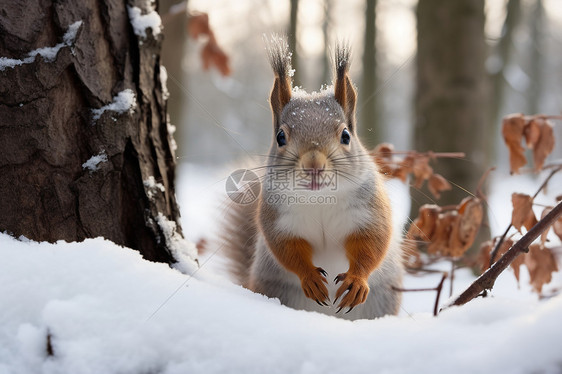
451 90
50 129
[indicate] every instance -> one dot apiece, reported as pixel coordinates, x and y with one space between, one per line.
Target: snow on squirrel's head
316 129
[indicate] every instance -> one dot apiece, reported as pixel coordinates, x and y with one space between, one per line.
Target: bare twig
542 116
502 238
452 278
49 345
429 154
488 278
483 178
438 289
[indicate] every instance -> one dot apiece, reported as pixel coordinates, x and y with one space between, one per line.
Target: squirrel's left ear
344 91
280 60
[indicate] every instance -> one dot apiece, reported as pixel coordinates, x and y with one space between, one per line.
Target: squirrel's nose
313 162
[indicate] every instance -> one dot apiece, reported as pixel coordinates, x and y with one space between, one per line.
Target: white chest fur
325 226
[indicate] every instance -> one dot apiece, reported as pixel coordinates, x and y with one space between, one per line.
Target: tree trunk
327 73
293 45
536 58
501 58
174 17
369 125
451 91
85 146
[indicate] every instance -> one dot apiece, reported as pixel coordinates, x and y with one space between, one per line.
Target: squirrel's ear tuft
280 60
344 91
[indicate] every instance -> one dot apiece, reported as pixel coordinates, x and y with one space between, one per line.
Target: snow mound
106 310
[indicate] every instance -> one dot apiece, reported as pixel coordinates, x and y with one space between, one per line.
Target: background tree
85 146
293 38
174 17
450 108
501 57
368 109
536 57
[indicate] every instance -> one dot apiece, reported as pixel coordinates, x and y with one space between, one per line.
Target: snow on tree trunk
84 140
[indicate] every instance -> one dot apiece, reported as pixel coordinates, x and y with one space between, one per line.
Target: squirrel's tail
239 239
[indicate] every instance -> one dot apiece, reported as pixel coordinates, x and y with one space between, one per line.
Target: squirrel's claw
314 286
353 291
323 272
339 277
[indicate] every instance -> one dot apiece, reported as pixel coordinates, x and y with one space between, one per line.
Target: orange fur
365 250
295 255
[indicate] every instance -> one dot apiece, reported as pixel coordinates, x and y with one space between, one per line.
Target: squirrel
323 210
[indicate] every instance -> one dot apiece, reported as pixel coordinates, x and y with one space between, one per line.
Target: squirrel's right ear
280 60
344 92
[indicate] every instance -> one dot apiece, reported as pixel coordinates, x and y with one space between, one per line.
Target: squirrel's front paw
314 286
357 291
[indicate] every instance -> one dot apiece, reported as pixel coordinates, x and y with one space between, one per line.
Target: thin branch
483 178
542 116
502 238
452 278
438 289
429 154
488 278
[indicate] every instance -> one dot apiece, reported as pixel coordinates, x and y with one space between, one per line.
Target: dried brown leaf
484 253
198 24
516 264
522 214
202 246
424 225
512 132
541 264
471 214
532 132
441 241
544 145
545 232
213 55
383 157
557 227
437 184
421 169
404 168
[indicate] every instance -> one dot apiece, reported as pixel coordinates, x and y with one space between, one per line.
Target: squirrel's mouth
314 182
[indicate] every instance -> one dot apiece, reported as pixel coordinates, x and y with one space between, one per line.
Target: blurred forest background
431 74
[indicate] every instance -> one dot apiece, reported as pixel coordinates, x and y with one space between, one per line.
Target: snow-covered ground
106 310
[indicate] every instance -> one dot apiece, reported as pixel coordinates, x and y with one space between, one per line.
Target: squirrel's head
314 132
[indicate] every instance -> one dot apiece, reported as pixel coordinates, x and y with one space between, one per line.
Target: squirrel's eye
281 139
345 137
